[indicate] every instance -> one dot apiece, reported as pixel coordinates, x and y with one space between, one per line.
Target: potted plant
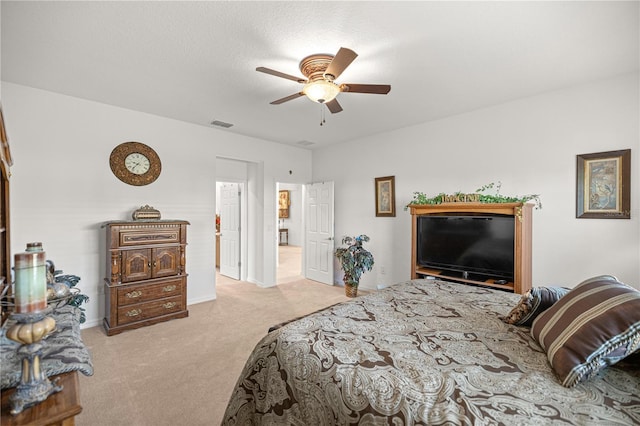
355 260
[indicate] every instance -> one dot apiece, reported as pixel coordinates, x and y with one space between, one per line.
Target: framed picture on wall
385 196
283 204
604 185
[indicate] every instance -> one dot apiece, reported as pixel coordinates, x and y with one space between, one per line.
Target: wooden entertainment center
522 240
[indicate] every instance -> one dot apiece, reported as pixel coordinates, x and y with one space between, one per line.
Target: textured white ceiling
195 61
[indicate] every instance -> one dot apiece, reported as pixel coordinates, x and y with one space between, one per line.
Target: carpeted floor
289 264
182 372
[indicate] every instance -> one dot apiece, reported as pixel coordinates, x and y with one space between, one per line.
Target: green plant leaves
420 198
354 259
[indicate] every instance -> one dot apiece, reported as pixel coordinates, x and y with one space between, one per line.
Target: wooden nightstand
57 410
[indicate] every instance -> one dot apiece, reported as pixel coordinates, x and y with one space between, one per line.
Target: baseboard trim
201 300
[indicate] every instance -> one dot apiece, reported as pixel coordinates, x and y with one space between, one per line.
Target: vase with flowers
355 260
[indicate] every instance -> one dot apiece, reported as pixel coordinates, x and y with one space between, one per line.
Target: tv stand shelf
522 241
439 274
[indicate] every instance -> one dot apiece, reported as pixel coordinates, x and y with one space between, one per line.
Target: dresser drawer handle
169 288
134 294
134 312
169 305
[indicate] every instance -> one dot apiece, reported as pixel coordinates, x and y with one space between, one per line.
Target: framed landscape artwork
385 196
604 185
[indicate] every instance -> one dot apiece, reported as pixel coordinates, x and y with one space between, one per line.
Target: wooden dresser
146 280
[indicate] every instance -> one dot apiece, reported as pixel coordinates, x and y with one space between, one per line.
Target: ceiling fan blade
287 98
281 74
333 106
340 62
380 89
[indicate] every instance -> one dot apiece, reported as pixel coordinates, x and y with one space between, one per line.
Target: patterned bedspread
420 352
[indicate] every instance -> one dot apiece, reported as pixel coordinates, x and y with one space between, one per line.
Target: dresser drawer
143 311
149 236
146 292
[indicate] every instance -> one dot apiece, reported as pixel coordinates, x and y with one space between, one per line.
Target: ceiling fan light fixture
321 71
321 91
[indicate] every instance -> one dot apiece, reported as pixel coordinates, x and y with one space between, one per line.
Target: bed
424 352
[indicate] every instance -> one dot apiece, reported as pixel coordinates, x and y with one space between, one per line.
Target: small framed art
284 202
385 196
603 185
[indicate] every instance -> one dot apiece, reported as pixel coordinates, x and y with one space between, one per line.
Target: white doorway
289 233
257 261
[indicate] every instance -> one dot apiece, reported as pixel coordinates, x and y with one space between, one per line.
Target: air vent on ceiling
305 143
221 124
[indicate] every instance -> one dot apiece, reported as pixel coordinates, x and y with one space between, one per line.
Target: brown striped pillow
595 325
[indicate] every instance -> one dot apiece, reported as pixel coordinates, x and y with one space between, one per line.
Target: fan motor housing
314 66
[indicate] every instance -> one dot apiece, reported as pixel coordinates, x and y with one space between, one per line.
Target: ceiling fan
321 70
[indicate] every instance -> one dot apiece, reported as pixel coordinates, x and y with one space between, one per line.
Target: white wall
228 170
530 145
62 188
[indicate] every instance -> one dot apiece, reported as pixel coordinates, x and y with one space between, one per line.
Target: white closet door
230 230
319 239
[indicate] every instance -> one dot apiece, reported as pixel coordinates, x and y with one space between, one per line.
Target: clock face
135 163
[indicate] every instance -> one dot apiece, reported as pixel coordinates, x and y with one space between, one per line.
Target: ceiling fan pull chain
322 120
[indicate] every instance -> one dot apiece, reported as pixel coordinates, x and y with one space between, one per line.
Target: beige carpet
182 372
289 264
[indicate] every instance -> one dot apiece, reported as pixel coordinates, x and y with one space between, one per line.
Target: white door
230 230
319 232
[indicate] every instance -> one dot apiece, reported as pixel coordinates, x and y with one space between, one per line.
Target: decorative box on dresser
146 280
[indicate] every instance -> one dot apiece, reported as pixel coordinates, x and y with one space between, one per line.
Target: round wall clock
135 163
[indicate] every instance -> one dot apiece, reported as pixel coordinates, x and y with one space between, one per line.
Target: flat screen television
472 246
